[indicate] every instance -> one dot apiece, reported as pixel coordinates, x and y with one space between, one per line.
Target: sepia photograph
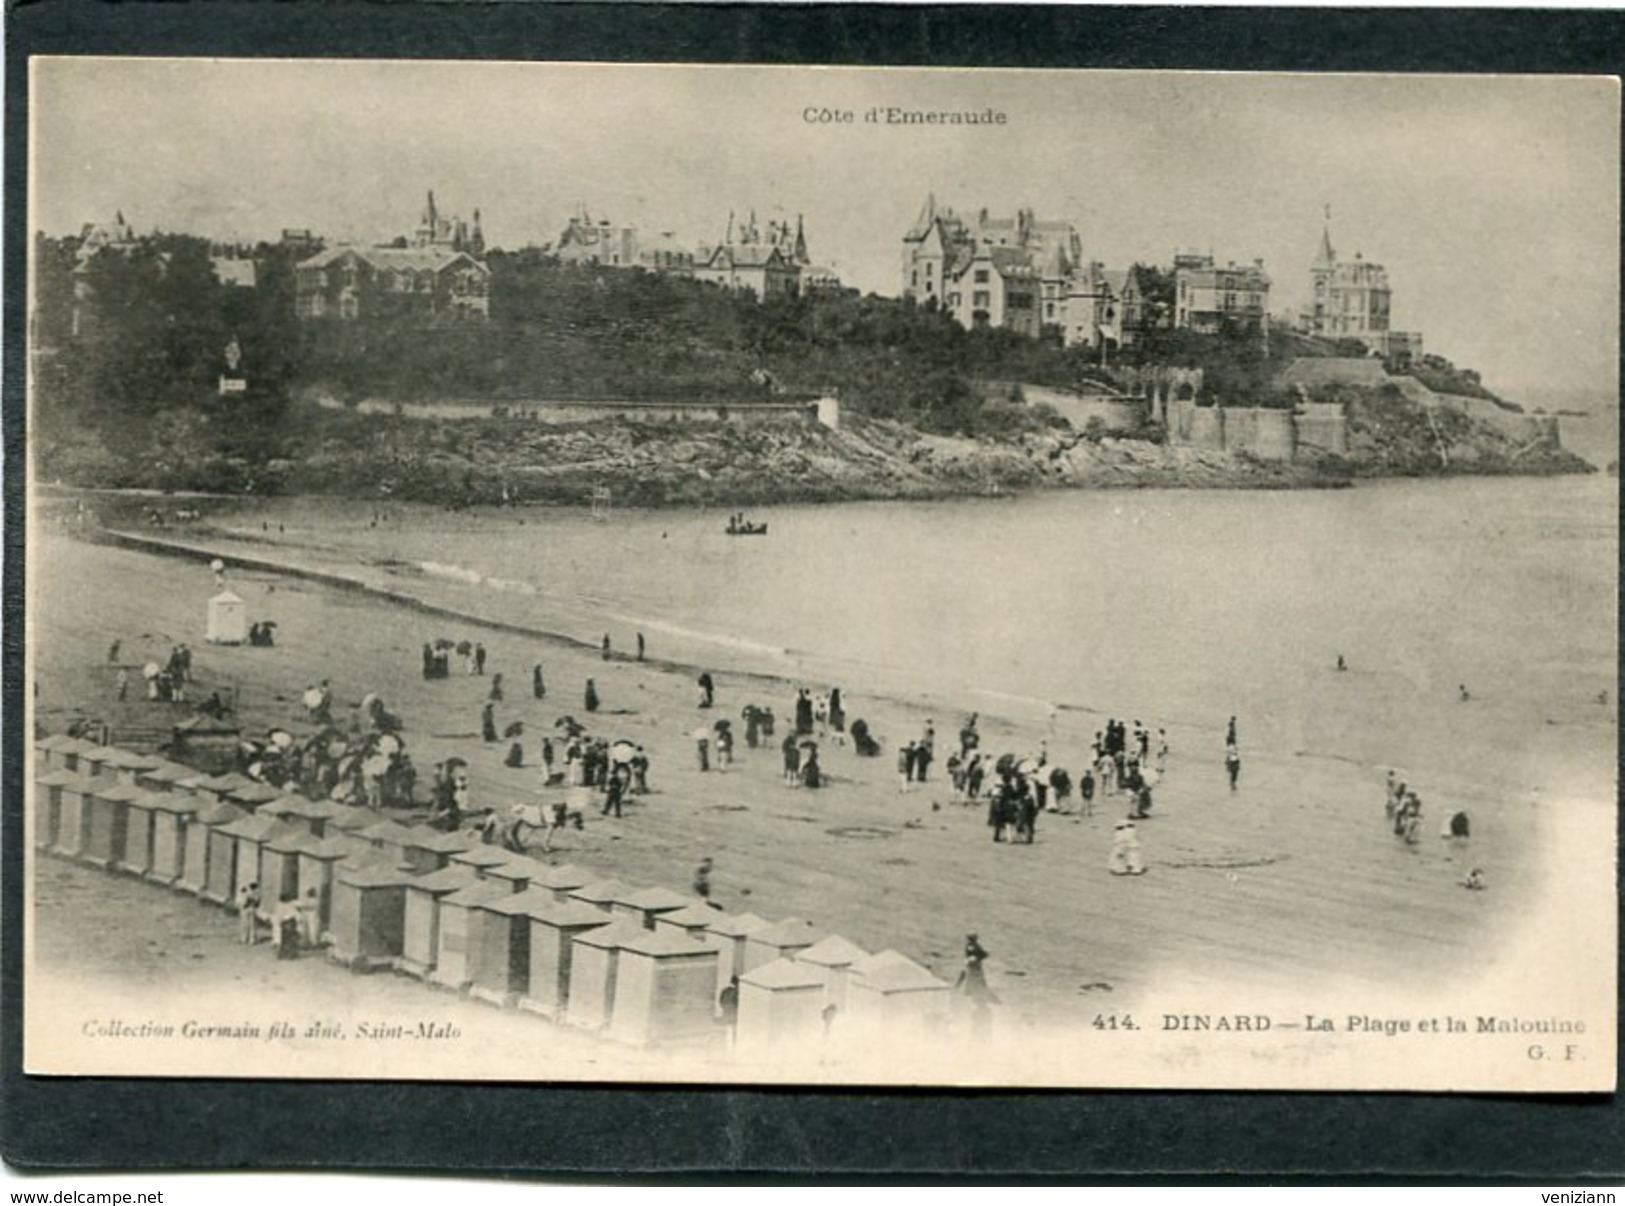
693 574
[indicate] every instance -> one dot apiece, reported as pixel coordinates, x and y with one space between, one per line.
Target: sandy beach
1251 898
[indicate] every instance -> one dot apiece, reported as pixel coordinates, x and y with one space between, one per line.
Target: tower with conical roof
1321 272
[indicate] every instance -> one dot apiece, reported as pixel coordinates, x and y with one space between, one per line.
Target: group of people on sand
362 762
1403 809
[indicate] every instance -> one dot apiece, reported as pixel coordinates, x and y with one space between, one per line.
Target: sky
1492 201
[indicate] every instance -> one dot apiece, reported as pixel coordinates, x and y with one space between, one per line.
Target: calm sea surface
1181 607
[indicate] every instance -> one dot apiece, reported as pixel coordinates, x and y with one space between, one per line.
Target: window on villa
981 276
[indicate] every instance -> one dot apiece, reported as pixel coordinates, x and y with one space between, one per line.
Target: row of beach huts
644 966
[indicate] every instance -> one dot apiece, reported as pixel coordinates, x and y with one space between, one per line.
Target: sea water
1181 608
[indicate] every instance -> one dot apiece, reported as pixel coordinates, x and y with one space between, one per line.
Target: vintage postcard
571 572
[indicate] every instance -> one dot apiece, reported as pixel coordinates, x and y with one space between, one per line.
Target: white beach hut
833 957
890 992
228 619
551 949
781 1006
663 987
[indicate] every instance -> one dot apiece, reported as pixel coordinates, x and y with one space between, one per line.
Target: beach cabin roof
448 879
169 772
738 925
130 760
372 875
480 856
292 839
117 792
251 826
478 892
660 943
783 973
605 891
890 971
227 783
614 934
256 793
226 596
294 805
175 802
572 915
562 878
437 842
834 951
386 832
658 899
788 932
532 902
64 778
56 741
220 813
691 917
350 818
514 868
332 847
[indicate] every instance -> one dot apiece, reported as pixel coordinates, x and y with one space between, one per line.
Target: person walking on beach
590 696
702 739
1162 751
479 659
488 722
1230 732
496 688
606 646
123 684
708 689
725 745
1232 764
804 713
538 688
925 750
905 767
112 651
640 646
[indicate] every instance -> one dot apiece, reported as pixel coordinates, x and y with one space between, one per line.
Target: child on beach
1126 858
248 906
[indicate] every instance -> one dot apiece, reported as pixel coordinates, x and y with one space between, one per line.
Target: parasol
150 670
389 744
281 738
622 752
312 698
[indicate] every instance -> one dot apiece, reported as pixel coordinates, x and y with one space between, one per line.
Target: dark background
709 1135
